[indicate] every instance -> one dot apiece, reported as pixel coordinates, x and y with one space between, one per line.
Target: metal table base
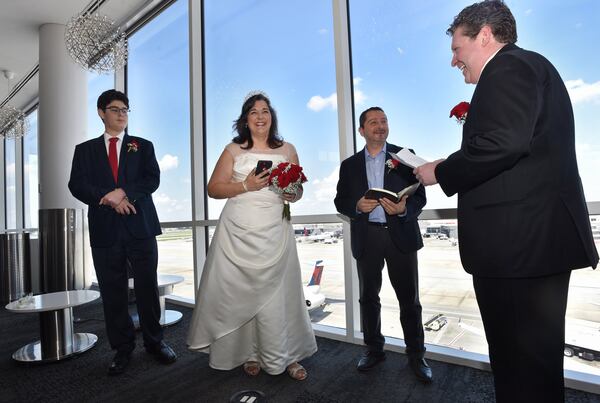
32 352
165 287
167 318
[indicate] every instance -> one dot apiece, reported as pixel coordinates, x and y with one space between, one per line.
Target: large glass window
158 90
290 56
175 257
321 253
11 183
401 62
97 84
285 49
30 172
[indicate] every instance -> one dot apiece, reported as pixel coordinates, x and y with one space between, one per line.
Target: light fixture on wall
12 120
95 43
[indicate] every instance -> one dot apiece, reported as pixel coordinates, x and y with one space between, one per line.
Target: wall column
62 124
62 117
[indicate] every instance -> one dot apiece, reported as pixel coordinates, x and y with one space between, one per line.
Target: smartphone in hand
262 165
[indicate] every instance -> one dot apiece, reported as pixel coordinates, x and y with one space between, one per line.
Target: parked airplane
312 291
325 237
582 339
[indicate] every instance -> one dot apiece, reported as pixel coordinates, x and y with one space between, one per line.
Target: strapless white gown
250 304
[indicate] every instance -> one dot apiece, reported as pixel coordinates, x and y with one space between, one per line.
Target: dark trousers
524 321
111 270
403 273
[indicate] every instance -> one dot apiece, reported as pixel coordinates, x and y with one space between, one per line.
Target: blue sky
401 62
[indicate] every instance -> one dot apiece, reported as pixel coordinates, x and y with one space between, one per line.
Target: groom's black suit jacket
521 207
352 185
139 176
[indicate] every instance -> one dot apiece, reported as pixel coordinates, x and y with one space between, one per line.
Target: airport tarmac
445 288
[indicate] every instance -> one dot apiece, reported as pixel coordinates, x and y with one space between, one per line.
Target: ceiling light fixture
95 43
12 120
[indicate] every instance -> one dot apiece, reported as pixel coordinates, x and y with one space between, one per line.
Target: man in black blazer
382 230
123 224
523 223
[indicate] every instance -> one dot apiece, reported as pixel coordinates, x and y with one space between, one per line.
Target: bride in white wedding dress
250 306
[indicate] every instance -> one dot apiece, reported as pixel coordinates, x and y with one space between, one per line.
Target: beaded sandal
252 368
297 372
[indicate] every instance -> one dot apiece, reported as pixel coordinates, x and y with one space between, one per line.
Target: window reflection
450 313
30 172
158 90
290 56
175 257
11 183
323 245
97 84
401 62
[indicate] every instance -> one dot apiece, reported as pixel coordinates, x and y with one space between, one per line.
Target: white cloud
580 91
317 103
359 97
325 189
168 161
323 31
165 204
400 50
528 11
161 198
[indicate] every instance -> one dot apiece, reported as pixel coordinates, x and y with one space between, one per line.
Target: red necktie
112 157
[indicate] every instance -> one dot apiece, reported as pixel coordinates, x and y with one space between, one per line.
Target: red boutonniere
460 112
132 146
392 164
286 177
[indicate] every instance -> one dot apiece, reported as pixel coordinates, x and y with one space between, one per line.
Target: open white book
408 158
377 193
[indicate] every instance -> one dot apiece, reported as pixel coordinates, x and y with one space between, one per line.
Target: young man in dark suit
523 222
384 231
115 175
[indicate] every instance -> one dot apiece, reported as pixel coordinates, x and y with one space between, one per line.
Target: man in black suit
382 230
123 224
523 223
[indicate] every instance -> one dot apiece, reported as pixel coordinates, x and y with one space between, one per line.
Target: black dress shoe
369 359
163 353
119 363
421 369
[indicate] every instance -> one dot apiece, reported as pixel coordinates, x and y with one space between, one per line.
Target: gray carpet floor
332 374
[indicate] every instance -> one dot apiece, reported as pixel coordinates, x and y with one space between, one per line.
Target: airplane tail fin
316 276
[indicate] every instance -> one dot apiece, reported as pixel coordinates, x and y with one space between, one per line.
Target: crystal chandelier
95 43
12 120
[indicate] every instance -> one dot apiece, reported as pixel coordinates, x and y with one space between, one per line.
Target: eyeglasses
116 110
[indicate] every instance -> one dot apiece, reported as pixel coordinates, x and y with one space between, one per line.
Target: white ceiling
19 30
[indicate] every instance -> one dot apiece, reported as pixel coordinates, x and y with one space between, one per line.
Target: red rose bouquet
286 177
460 112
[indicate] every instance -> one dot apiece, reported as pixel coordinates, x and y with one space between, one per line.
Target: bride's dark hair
241 124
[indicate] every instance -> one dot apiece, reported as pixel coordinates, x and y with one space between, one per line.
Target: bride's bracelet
244 186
